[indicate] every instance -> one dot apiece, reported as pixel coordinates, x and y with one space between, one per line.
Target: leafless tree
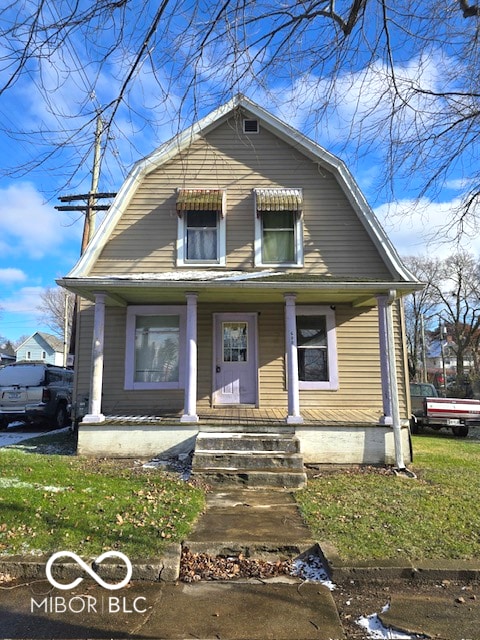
398 78
55 303
420 311
456 291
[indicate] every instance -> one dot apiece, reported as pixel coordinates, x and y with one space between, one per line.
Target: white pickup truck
429 410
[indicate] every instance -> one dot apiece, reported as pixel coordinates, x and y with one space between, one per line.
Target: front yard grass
370 514
54 502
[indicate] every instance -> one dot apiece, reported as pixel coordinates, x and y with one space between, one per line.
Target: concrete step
238 478
246 460
256 428
247 442
252 459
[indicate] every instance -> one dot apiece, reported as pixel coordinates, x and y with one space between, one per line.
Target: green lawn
367 513
51 502
59 502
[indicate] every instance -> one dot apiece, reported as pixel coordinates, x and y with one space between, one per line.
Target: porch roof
233 286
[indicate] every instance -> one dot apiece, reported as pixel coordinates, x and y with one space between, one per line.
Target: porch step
266 459
248 442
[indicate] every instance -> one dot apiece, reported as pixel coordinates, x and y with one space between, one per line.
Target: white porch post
397 427
294 416
96 382
384 364
190 410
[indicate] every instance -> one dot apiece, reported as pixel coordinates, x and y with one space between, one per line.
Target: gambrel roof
285 132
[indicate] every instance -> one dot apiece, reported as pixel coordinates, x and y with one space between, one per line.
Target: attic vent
251 126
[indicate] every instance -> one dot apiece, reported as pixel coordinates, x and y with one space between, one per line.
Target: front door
235 359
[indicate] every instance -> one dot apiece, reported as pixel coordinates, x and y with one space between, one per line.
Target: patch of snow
311 569
5 483
375 629
196 275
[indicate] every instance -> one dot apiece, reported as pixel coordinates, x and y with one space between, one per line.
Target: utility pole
90 208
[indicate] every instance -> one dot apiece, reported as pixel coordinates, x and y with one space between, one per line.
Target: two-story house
241 282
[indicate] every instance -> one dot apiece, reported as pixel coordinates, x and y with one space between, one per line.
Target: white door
235 359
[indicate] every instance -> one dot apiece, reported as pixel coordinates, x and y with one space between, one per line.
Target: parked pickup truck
35 392
429 410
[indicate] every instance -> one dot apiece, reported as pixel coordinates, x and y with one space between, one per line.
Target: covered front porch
351 414
326 436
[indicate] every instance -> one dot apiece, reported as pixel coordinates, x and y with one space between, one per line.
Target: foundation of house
348 439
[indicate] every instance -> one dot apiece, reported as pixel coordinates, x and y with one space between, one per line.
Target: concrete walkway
260 524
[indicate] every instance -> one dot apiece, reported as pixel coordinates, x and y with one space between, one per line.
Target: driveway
16 432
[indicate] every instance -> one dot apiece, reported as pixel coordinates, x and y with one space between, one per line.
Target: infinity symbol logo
89 570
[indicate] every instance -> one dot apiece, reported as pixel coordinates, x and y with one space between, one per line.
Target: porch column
384 364
386 311
96 382
294 416
190 410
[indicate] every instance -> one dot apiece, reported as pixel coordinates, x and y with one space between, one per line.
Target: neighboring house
6 357
41 347
240 278
444 354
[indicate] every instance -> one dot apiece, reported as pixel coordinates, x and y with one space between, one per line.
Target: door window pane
201 235
235 340
157 342
312 348
278 241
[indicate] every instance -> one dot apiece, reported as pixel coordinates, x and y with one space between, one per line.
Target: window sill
317 386
279 265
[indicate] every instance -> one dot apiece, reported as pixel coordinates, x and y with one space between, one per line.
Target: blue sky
39 244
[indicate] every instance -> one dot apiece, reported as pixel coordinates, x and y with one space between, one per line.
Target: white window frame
298 242
153 310
221 260
332 383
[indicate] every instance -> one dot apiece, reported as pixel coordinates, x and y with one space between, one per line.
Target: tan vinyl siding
335 241
358 363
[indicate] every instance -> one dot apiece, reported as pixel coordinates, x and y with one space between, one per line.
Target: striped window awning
200 200
279 200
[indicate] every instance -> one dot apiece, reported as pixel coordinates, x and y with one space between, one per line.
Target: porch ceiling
135 289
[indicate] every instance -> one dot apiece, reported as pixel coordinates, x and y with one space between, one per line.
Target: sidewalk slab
227 610
252 523
247 611
435 617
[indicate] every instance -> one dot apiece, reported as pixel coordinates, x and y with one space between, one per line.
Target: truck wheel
460 432
414 427
61 417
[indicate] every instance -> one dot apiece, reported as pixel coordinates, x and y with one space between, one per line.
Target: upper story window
278 227
201 227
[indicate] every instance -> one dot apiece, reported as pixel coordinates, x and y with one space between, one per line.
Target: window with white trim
316 348
201 238
278 228
155 347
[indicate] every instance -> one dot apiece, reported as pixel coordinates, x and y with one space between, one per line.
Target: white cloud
12 276
25 301
422 226
28 226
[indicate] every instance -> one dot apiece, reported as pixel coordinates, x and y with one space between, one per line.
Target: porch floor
257 417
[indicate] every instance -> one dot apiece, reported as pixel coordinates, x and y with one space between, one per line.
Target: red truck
429 410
